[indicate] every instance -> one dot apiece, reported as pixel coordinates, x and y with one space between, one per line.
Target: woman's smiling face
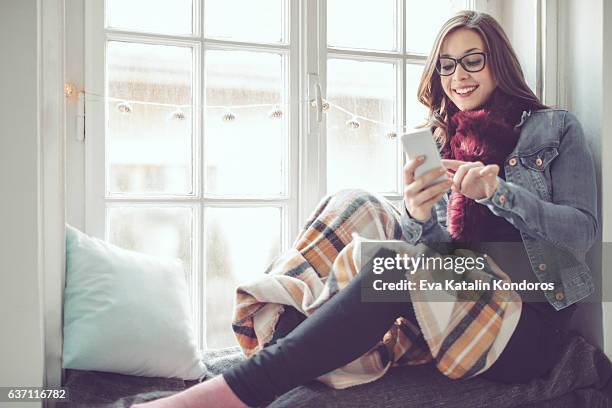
458 43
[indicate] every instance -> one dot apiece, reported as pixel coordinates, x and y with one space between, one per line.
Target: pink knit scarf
485 135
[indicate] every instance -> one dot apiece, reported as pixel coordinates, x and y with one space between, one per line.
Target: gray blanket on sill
582 378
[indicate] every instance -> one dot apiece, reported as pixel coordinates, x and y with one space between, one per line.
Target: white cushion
126 312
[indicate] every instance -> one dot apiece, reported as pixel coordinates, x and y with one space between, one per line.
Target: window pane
245 20
149 149
416 112
240 244
362 24
152 16
246 156
157 231
423 21
364 157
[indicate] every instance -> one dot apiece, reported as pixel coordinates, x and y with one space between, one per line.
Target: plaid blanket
462 334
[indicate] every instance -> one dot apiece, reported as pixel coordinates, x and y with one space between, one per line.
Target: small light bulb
275 113
353 123
229 117
125 108
177 114
68 89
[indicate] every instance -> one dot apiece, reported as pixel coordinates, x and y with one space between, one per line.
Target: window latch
317 102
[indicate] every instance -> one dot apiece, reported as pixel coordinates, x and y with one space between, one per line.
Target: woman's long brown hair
503 61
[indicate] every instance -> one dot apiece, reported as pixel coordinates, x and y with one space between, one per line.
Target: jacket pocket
541 159
537 169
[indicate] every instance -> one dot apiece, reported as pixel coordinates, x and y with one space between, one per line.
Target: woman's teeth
465 91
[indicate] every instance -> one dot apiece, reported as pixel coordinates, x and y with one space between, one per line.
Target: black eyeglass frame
460 61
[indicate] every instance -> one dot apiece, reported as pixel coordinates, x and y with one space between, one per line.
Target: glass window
149 147
354 155
246 20
423 21
240 245
246 155
158 231
362 24
151 16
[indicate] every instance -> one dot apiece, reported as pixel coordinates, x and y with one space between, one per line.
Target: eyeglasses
473 62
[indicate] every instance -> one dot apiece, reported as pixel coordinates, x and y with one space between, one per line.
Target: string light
229 116
391 135
124 107
177 114
68 89
354 122
275 113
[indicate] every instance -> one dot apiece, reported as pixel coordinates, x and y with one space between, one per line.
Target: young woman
522 189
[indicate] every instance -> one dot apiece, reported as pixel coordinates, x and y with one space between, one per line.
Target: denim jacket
549 194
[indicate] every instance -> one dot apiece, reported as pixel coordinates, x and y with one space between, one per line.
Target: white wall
581 44
75 150
519 19
581 53
21 347
606 170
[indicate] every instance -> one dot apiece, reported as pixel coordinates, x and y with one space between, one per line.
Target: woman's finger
453 164
491 169
472 176
460 174
434 200
437 189
423 180
410 167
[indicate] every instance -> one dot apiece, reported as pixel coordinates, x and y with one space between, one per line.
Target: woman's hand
473 179
417 199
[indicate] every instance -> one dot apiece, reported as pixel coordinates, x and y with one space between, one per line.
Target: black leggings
301 350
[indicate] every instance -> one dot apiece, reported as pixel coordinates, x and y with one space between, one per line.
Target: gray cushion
581 378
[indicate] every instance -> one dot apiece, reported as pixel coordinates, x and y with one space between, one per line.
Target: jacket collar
530 142
524 117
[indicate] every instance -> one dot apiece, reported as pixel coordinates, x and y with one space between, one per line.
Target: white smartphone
419 142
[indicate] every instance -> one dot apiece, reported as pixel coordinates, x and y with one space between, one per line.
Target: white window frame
308 52
96 36
314 17
52 129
